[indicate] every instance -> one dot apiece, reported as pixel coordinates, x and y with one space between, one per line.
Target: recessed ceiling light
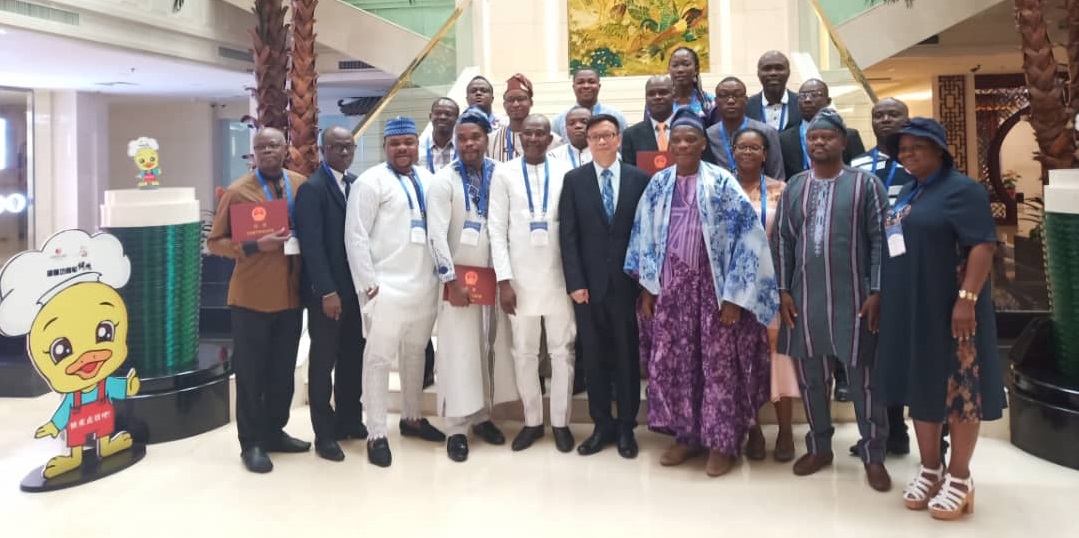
111 84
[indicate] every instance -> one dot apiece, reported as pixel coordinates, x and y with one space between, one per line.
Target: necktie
608 194
661 135
348 179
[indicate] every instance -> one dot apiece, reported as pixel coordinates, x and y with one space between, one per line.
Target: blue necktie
608 194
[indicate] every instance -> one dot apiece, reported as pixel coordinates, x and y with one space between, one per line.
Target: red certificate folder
253 220
480 282
654 161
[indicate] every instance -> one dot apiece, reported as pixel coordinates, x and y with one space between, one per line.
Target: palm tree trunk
1048 111
271 63
303 102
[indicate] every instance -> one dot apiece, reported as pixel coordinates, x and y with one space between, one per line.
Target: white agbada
572 156
537 278
473 358
397 321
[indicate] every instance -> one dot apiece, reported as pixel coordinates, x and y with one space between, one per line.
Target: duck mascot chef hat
32 278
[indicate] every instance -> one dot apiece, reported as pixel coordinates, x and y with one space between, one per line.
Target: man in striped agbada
828 242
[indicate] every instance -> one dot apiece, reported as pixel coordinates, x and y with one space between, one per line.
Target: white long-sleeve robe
536 272
473 358
380 251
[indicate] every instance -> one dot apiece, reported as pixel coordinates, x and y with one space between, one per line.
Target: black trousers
335 345
607 331
264 361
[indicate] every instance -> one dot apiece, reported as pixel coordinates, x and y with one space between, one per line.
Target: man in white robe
531 285
394 275
473 340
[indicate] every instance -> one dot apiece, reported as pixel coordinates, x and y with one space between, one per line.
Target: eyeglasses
750 148
602 137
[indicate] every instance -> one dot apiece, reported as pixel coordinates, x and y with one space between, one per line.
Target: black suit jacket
790 142
593 251
320 226
794 114
639 137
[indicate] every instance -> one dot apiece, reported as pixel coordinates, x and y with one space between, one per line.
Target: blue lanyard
782 113
572 158
271 197
431 157
805 150
509 144
915 192
891 170
485 174
546 187
727 143
764 202
417 186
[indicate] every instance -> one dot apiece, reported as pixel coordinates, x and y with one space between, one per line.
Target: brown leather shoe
718 464
678 454
877 476
811 463
755 449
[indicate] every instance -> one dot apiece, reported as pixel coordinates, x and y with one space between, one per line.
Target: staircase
361 35
875 33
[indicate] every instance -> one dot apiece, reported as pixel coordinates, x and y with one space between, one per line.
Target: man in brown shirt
264 294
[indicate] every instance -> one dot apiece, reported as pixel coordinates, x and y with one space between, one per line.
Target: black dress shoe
627 445
457 447
595 442
563 439
424 431
329 450
428 381
356 432
899 445
256 460
288 443
527 436
490 433
378 452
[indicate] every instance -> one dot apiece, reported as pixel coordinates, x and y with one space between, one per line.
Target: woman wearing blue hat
938 352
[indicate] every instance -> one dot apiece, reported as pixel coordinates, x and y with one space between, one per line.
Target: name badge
896 245
419 232
470 235
292 246
539 233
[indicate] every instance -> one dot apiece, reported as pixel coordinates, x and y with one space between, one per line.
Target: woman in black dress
937 350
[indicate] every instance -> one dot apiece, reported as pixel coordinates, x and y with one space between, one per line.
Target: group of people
773 258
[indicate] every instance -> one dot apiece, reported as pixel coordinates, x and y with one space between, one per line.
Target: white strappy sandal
922 488
951 502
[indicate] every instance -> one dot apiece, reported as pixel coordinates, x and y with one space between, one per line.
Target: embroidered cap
400 126
519 82
476 115
685 116
828 119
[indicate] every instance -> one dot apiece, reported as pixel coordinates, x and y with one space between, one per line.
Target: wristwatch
972 297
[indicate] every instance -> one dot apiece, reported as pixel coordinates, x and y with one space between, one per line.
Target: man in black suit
775 104
596 211
647 135
812 98
333 311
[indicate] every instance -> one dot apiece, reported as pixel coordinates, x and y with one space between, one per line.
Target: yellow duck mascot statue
64 299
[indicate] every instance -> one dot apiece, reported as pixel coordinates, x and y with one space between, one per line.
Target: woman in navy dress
938 348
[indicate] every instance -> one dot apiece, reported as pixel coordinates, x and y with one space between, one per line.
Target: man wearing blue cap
828 242
475 368
394 276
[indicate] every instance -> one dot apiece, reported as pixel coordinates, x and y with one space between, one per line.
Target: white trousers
460 425
386 341
561 333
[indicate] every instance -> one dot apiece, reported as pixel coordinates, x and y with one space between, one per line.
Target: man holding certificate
473 356
264 295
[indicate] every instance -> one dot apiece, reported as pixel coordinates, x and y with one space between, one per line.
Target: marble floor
197 487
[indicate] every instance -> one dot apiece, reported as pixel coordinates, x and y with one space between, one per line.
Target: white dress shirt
773 112
340 177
